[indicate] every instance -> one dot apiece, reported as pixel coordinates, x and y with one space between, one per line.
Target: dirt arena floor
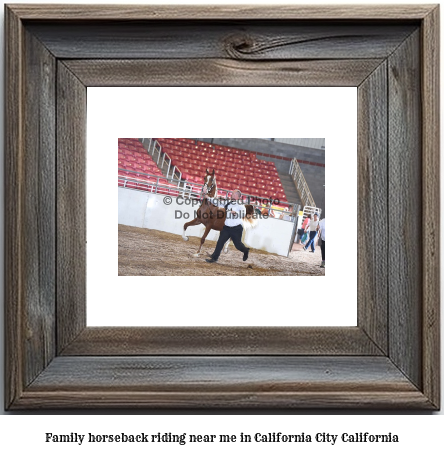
144 252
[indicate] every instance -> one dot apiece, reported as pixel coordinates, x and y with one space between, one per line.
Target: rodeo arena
221 207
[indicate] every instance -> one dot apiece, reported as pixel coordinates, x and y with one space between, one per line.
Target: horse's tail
249 221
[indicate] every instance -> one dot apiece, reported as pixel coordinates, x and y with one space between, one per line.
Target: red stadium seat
196 180
186 174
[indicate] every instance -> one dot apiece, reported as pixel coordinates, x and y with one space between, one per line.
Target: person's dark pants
323 249
311 241
233 232
300 233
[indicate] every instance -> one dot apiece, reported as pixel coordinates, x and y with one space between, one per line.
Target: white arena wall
148 210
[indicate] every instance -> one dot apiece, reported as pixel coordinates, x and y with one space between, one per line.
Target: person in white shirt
322 237
285 215
314 227
233 227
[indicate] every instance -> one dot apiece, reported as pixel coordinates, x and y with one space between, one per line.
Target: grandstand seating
138 170
235 168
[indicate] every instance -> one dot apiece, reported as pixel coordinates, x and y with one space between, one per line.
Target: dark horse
211 216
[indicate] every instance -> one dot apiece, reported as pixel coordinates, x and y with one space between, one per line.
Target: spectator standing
314 227
322 239
301 230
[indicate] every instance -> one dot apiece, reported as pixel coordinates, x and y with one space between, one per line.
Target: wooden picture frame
390 360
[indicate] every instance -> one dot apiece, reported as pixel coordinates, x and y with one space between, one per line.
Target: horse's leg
196 221
202 240
226 246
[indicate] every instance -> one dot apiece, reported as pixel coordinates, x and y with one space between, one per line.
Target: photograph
221 206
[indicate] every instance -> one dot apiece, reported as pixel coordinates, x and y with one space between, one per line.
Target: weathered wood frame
390 360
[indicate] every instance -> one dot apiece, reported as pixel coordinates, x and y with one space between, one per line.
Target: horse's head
210 186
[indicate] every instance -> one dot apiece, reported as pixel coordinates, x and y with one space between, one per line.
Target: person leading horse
233 226
213 214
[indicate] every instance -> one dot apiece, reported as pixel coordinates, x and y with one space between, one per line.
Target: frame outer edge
14 194
193 12
227 381
38 199
13 207
405 249
431 203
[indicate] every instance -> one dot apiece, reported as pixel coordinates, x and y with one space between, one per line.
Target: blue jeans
311 241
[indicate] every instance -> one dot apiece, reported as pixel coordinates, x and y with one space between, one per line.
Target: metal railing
154 148
257 202
194 191
301 184
166 158
139 180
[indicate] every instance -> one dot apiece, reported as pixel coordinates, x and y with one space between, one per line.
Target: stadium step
163 168
290 188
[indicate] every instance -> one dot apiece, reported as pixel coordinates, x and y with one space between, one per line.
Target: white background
420 434
309 112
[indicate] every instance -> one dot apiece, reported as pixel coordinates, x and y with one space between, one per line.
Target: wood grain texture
206 72
220 12
405 243
246 401
71 206
234 382
94 341
39 230
238 40
372 207
13 207
430 93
